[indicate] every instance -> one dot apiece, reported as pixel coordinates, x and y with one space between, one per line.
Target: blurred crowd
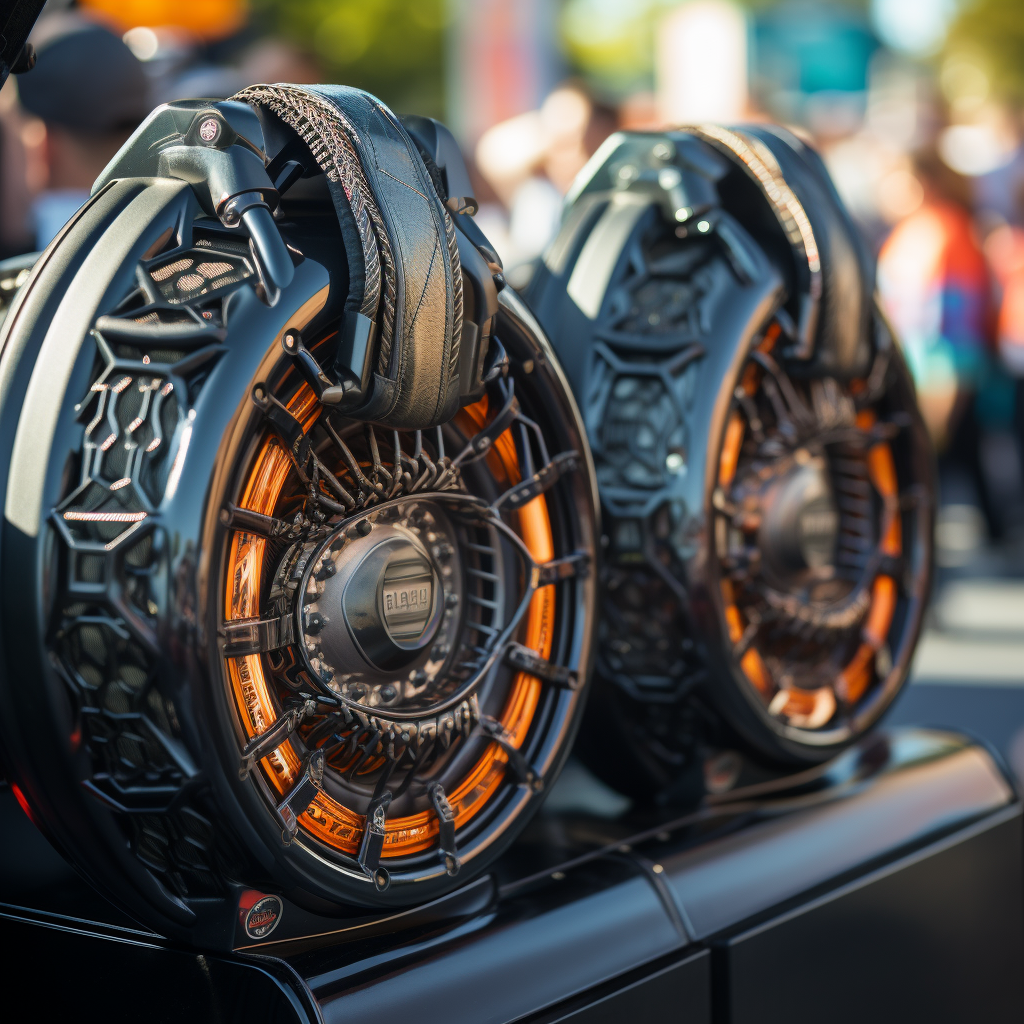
91 86
929 159
951 278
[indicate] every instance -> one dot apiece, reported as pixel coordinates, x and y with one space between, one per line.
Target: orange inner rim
814 708
326 819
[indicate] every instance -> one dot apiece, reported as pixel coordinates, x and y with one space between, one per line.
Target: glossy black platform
886 886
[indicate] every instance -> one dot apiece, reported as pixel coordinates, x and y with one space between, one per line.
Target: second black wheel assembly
765 478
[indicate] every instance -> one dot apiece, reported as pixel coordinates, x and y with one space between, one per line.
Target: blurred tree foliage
610 43
992 31
392 48
396 48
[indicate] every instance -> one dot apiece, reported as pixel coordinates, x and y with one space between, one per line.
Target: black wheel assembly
765 478
299 518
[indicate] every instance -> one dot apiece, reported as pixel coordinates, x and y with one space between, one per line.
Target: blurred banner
701 63
503 60
204 19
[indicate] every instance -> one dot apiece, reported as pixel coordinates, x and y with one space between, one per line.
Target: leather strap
405 272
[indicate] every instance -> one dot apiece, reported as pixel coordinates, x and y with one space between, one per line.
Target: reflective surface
913 831
282 643
765 477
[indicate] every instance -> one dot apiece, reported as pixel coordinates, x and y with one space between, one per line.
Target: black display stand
886 886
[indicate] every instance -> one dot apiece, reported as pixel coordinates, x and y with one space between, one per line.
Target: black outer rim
316 868
745 721
33 727
739 702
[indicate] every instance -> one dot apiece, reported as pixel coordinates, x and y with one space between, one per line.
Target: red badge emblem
259 913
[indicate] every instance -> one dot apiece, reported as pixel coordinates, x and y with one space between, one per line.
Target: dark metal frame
175 834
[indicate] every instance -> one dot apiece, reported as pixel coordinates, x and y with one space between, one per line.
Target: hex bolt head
327 570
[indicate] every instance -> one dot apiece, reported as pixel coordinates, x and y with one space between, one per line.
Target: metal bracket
542 480
373 841
256 636
528 661
483 441
446 828
264 526
288 428
302 794
355 358
516 761
259 746
326 391
576 565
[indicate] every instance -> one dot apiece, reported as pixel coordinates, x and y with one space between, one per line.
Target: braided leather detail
457 300
328 133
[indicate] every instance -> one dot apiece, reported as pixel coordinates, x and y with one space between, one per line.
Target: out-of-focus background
916 105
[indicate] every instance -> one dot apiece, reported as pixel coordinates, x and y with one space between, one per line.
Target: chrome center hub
379 605
801 523
387 592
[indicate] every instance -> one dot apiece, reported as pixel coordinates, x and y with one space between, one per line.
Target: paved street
969 669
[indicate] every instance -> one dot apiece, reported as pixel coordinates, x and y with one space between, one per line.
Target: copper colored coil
210 270
164 272
189 282
855 678
730 457
327 819
751 663
245 565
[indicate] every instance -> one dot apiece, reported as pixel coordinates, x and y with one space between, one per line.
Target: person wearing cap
91 92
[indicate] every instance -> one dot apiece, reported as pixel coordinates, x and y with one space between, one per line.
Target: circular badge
263 917
209 129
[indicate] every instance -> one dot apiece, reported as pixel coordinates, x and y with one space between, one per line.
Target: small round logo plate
263 917
209 129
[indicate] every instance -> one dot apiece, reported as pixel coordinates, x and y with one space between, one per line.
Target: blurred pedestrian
15 190
935 286
90 92
1005 249
531 160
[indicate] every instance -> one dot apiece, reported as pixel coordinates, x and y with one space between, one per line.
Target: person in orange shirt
1005 247
935 286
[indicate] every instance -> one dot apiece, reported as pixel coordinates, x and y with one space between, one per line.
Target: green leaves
392 48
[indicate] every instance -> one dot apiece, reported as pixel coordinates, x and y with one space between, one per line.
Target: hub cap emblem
407 598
